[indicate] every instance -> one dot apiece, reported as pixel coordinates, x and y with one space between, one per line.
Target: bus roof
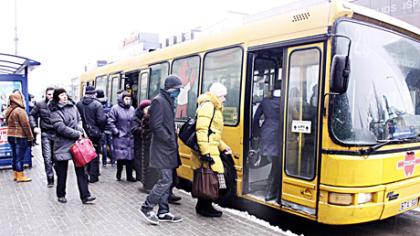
259 32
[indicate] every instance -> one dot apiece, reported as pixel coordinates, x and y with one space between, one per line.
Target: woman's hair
58 92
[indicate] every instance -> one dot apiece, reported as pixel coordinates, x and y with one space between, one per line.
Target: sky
66 35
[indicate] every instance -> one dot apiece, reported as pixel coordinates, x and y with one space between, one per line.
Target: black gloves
207 158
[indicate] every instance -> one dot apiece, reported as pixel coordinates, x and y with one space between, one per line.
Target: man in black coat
41 114
94 120
163 150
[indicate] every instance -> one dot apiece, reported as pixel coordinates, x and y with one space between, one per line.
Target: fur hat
218 89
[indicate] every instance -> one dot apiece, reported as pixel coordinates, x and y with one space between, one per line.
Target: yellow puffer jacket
212 144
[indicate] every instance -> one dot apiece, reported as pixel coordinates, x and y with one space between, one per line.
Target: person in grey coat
68 128
163 151
119 121
270 139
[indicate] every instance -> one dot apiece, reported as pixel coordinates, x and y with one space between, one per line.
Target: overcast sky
65 35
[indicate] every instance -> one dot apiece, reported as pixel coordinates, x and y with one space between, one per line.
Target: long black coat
92 113
164 144
68 127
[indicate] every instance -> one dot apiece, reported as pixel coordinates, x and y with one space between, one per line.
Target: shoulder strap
10 113
211 121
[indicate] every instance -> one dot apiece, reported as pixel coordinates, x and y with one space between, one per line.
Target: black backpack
188 135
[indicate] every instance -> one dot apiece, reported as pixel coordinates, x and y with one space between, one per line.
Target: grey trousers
47 153
160 193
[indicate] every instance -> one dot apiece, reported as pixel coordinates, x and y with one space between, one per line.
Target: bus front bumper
346 205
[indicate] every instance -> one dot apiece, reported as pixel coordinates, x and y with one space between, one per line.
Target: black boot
204 208
50 181
129 170
273 183
214 212
119 170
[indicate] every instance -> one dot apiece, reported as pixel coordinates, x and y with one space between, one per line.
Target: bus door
300 150
262 173
131 85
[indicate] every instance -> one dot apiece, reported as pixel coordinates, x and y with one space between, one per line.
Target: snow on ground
247 216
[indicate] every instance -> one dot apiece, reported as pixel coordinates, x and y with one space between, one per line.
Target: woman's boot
20 177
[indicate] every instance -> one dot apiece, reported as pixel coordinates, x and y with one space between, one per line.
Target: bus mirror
340 72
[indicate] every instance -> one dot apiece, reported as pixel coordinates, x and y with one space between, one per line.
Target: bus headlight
364 198
342 199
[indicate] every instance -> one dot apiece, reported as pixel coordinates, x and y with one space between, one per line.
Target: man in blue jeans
40 117
164 150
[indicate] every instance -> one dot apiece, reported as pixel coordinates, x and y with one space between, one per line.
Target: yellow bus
349 115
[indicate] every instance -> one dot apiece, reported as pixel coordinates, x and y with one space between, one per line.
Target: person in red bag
68 129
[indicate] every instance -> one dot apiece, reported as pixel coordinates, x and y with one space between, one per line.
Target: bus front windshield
383 98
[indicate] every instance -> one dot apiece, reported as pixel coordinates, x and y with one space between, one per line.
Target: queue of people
142 140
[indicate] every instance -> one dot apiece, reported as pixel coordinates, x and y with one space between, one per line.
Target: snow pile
247 216
256 220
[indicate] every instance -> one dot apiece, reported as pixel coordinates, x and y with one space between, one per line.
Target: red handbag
83 152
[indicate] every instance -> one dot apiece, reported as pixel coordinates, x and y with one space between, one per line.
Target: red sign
3 135
409 163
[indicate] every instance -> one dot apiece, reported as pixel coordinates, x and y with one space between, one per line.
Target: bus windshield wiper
381 143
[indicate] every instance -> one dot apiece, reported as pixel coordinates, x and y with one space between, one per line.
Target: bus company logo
409 163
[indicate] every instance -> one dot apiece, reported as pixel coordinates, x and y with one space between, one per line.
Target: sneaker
149 216
169 217
88 200
62 199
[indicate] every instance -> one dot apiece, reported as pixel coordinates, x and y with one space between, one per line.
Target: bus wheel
228 195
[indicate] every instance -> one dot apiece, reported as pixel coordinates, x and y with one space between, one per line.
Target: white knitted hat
218 89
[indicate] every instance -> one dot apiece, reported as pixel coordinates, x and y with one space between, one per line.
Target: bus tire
227 196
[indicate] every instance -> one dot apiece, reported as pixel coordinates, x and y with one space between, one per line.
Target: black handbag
187 133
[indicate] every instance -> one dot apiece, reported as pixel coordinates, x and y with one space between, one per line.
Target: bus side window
142 94
225 66
188 69
158 74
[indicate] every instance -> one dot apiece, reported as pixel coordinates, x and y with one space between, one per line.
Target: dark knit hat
172 82
90 90
144 104
100 93
58 92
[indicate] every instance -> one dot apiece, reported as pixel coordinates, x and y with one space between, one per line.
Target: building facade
406 10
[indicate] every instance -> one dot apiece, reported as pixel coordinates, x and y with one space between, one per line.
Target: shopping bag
83 152
205 184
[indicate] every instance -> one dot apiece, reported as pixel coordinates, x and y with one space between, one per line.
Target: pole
16 32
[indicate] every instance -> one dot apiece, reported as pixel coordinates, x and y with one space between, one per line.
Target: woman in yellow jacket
209 139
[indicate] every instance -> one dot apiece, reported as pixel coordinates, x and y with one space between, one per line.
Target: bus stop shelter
13 78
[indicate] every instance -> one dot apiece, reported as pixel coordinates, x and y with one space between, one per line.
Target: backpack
187 133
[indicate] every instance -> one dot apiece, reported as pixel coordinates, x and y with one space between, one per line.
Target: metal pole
16 33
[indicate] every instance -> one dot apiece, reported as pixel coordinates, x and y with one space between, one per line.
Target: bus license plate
409 204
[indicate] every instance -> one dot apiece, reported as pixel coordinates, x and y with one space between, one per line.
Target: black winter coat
68 127
92 113
164 144
41 111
